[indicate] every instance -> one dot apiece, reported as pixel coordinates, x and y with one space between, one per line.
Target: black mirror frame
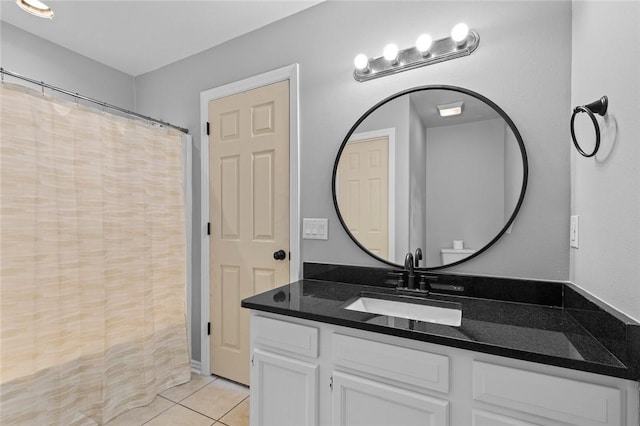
505 117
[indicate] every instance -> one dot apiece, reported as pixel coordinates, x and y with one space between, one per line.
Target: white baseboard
196 367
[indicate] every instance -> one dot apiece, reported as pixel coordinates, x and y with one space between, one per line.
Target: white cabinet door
556 398
361 402
284 391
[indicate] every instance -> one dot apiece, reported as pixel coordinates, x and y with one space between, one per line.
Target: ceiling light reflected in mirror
449 110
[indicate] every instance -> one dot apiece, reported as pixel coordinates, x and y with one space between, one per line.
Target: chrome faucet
411 277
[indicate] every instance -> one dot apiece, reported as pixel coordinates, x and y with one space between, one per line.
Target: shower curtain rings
104 105
598 107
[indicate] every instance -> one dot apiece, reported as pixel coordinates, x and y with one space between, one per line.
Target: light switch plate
574 231
315 229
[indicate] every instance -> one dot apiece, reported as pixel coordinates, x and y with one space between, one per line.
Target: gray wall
39 59
417 183
465 186
517 65
606 188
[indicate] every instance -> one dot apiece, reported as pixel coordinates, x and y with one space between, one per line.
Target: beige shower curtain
92 262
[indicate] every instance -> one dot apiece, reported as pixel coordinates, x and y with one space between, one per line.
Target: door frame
187 155
390 134
290 73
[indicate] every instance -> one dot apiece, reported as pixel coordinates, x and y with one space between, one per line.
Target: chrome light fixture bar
462 42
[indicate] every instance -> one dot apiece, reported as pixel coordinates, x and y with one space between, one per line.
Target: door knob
279 255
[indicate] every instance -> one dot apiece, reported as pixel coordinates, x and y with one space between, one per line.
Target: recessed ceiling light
36 8
450 109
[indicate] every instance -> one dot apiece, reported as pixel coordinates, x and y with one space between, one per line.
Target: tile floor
203 401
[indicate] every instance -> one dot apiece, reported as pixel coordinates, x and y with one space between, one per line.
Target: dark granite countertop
534 332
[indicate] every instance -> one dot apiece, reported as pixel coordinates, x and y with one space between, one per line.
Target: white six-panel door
363 192
249 214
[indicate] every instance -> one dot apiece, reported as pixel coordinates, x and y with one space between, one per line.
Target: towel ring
598 107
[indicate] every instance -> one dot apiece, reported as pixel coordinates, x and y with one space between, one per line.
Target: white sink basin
439 312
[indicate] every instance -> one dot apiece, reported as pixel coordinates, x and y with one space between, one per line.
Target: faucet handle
423 284
398 277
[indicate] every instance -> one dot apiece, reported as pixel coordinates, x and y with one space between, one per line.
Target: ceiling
143 35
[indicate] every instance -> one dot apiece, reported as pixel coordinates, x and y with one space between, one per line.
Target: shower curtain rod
78 96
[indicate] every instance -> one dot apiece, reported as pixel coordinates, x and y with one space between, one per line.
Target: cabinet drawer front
484 418
426 370
362 402
276 334
556 398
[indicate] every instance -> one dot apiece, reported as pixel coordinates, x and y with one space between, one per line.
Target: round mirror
437 170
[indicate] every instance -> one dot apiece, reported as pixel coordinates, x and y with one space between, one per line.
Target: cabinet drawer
485 418
422 369
556 398
282 335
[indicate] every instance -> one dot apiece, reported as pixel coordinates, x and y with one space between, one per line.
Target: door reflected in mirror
437 168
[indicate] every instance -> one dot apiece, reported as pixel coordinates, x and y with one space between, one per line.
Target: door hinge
252 360
208 228
208 130
208 329
331 383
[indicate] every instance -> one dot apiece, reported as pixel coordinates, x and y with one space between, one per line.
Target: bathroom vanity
540 353
411 345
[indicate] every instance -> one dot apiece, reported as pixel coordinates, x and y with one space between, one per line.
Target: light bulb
36 7
390 52
361 62
423 43
459 33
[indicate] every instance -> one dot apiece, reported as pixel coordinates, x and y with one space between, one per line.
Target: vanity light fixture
461 42
449 110
36 7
